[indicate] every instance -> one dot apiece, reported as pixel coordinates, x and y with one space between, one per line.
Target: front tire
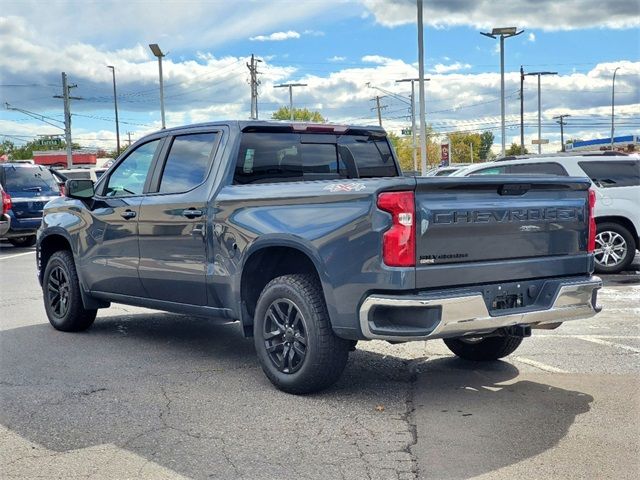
27 241
295 343
483 349
61 292
615 248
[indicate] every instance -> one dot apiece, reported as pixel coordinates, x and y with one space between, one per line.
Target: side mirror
80 189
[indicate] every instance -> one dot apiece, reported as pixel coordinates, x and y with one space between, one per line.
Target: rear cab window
268 157
613 173
32 178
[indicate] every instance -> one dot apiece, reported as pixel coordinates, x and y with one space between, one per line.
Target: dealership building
624 143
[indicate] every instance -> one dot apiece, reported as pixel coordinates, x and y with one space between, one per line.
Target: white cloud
542 14
377 59
453 67
276 36
531 37
313 33
336 58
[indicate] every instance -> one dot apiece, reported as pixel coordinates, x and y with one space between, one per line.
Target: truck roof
283 125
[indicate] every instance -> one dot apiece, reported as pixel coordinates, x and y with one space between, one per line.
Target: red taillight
6 202
399 242
591 242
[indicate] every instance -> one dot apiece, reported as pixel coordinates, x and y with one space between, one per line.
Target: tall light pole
539 74
423 110
290 87
613 98
158 53
115 104
503 32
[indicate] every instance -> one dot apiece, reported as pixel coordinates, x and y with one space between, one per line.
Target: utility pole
253 71
66 88
539 74
378 108
562 124
504 32
423 110
471 145
129 137
115 103
413 119
521 110
613 98
290 87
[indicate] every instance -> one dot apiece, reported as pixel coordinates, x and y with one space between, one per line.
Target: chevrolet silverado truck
312 239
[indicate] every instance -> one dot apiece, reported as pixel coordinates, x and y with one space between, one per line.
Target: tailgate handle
514 189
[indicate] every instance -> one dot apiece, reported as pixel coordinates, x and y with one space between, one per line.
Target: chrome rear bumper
468 314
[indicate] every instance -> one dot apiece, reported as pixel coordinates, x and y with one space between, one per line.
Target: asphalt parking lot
145 394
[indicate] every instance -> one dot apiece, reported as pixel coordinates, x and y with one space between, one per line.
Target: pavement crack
409 415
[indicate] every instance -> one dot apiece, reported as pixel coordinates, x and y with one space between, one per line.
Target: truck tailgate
499 224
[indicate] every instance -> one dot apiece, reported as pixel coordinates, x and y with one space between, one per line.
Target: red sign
444 154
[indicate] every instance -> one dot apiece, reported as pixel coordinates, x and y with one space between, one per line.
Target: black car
26 189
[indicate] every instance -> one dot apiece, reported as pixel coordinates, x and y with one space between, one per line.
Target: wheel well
50 245
625 222
262 267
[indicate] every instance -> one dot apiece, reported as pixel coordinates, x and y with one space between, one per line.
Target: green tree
299 114
7 147
404 150
462 146
486 141
515 149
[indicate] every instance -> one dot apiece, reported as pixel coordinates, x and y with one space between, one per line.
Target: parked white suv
615 178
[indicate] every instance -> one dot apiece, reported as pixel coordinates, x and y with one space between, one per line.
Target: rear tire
613 239
483 349
27 241
62 298
295 343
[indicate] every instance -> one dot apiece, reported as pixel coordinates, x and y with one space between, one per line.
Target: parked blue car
26 189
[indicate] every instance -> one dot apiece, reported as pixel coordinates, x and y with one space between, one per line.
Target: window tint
128 178
490 171
282 157
545 168
372 156
20 179
188 162
607 173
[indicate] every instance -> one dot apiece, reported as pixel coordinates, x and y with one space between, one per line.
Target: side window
490 171
545 168
187 163
609 173
128 178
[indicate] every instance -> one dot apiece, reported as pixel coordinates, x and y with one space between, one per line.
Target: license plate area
505 298
507 301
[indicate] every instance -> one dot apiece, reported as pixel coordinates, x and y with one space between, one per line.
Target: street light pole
613 98
290 87
158 53
539 74
423 111
503 32
521 110
115 104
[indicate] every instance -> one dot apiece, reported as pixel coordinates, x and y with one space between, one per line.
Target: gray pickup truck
311 238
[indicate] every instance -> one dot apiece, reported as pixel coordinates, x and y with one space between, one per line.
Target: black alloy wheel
285 335
58 290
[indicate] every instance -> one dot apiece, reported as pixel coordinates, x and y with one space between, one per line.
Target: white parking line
16 255
634 337
540 365
600 341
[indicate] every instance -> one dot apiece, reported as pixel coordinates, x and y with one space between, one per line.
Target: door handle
191 213
128 214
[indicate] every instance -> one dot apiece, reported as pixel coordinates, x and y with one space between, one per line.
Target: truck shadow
187 394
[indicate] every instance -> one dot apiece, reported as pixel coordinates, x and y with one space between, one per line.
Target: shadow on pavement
188 394
474 418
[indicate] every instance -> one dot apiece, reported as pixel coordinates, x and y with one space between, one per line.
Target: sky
344 50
